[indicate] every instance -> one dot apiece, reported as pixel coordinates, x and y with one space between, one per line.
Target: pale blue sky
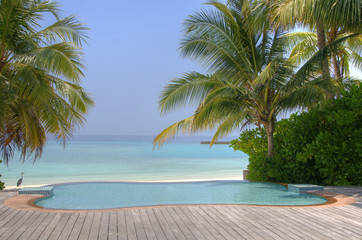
131 54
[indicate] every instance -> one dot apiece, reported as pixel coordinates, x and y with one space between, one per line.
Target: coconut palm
251 80
332 20
40 72
303 46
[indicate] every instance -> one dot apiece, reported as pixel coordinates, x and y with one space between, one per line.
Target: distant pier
217 142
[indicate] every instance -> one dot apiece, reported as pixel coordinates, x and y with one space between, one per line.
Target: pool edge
26 202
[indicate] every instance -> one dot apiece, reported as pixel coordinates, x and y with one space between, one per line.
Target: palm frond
68 29
189 89
184 126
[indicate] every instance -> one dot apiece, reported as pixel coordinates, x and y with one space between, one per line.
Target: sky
132 52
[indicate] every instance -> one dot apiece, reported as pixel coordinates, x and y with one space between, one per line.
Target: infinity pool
105 195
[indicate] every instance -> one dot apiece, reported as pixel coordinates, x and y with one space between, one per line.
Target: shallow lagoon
126 159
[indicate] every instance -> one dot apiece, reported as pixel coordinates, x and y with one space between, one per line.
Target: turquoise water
117 195
126 159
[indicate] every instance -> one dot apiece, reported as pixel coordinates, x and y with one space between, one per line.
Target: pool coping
27 202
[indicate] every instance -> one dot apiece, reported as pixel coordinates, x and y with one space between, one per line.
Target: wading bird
20 180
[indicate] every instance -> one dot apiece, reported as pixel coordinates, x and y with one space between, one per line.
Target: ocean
126 158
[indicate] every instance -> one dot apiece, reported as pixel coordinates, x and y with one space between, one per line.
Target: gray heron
20 180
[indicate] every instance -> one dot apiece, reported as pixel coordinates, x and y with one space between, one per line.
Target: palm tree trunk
269 128
336 64
321 42
2 63
337 71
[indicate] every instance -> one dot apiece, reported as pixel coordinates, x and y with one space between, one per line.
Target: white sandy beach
167 180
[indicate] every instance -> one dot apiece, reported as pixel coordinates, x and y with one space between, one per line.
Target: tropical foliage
252 80
321 146
1 183
330 20
40 73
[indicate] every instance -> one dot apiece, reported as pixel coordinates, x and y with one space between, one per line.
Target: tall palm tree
348 52
331 19
40 73
250 82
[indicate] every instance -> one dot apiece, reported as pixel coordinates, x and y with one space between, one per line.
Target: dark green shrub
1 183
321 146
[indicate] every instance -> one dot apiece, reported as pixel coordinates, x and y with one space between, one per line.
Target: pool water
106 195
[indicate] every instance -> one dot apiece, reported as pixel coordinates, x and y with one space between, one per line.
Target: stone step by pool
36 191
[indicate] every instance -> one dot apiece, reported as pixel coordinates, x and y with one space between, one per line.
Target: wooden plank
226 222
131 230
122 229
280 220
103 229
74 234
246 224
214 224
245 228
344 218
147 225
3 209
155 224
259 225
33 226
18 231
214 229
303 224
68 226
182 226
12 228
112 230
351 212
269 224
190 225
7 216
163 224
10 220
324 222
172 224
50 226
60 226
236 223
339 222
84 233
198 223
42 226
140 230
6 195
94 231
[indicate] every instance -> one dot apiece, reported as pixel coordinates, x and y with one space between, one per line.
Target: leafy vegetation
40 73
252 80
330 21
1 183
321 146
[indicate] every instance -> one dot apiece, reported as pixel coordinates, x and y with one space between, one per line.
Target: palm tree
331 19
303 46
40 72
251 80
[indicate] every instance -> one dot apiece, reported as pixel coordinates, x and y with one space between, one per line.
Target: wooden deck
191 222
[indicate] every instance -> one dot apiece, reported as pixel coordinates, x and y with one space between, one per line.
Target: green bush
321 146
1 183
